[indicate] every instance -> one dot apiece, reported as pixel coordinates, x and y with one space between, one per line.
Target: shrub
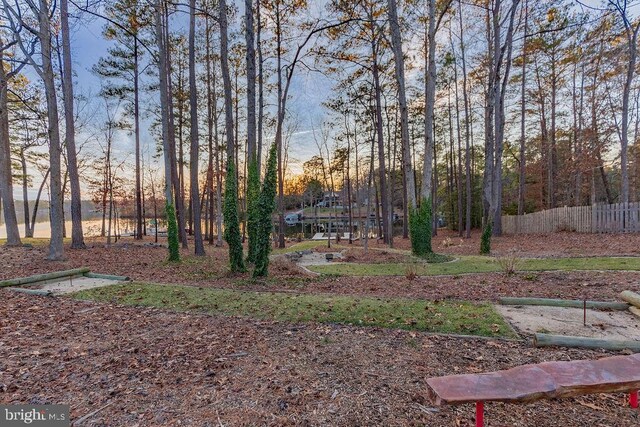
509 263
411 271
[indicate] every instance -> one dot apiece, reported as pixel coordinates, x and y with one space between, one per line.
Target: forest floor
164 366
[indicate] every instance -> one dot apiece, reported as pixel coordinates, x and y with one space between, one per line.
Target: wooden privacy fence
615 218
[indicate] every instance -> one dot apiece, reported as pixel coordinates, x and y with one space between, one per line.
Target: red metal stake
633 399
480 413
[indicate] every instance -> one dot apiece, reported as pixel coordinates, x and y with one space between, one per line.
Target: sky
307 93
308 90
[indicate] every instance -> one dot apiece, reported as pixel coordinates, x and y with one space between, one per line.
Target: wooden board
548 380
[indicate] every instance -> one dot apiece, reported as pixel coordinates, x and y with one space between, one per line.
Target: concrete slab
318 258
613 325
74 284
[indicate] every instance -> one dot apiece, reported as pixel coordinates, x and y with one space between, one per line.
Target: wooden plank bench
549 380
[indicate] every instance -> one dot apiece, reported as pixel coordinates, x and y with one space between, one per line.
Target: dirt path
159 368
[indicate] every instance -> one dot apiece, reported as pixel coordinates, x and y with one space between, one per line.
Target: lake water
42 230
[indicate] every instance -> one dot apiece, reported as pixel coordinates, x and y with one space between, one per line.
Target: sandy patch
315 258
614 325
75 284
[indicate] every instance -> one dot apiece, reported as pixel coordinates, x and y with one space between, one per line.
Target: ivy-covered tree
253 214
231 223
420 220
266 205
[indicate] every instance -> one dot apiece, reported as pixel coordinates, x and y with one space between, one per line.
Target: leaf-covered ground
147 264
148 367
151 367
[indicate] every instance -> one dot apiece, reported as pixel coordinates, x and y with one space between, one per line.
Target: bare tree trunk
523 111
228 100
77 238
195 143
488 183
382 169
219 165
56 248
25 195
632 37
210 118
178 194
260 87
6 179
164 104
34 214
136 118
553 160
579 143
251 80
459 138
398 55
467 130
502 54
430 94
281 107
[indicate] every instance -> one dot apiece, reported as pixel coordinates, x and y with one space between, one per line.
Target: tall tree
499 62
434 18
398 54
126 20
253 179
6 179
231 220
163 73
631 33
77 237
195 142
18 20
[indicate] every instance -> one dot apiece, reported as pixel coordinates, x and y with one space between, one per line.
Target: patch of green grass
478 264
434 258
36 241
457 317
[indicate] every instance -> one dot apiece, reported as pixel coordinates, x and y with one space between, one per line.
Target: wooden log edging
38 292
550 302
42 277
546 340
106 276
631 297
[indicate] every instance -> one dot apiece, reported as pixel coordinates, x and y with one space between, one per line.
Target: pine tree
122 69
231 222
